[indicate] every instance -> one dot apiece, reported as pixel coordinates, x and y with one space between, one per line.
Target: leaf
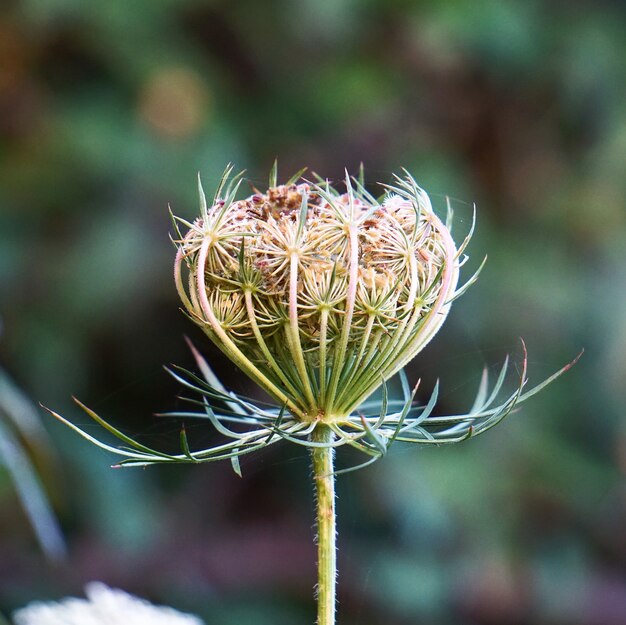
469 235
218 426
86 436
383 403
276 426
379 443
117 433
481 394
234 461
358 466
304 209
295 177
406 389
220 187
426 412
499 382
554 376
31 495
184 444
461 290
202 196
274 174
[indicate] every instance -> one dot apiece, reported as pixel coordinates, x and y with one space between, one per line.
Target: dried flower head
103 606
318 295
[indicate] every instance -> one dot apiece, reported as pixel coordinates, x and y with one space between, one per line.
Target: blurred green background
107 111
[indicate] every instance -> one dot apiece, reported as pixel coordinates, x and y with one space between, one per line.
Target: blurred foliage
107 111
22 442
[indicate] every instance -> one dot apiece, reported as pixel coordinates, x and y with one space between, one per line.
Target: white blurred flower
103 606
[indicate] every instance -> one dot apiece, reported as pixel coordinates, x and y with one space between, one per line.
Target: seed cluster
317 289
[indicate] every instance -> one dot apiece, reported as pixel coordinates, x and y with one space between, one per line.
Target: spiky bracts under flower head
318 294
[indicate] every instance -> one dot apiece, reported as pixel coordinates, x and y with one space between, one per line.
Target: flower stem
326 532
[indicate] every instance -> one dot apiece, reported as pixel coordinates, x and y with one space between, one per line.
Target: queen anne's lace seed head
103 606
318 295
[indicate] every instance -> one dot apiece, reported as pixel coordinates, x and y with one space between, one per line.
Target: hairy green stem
326 531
